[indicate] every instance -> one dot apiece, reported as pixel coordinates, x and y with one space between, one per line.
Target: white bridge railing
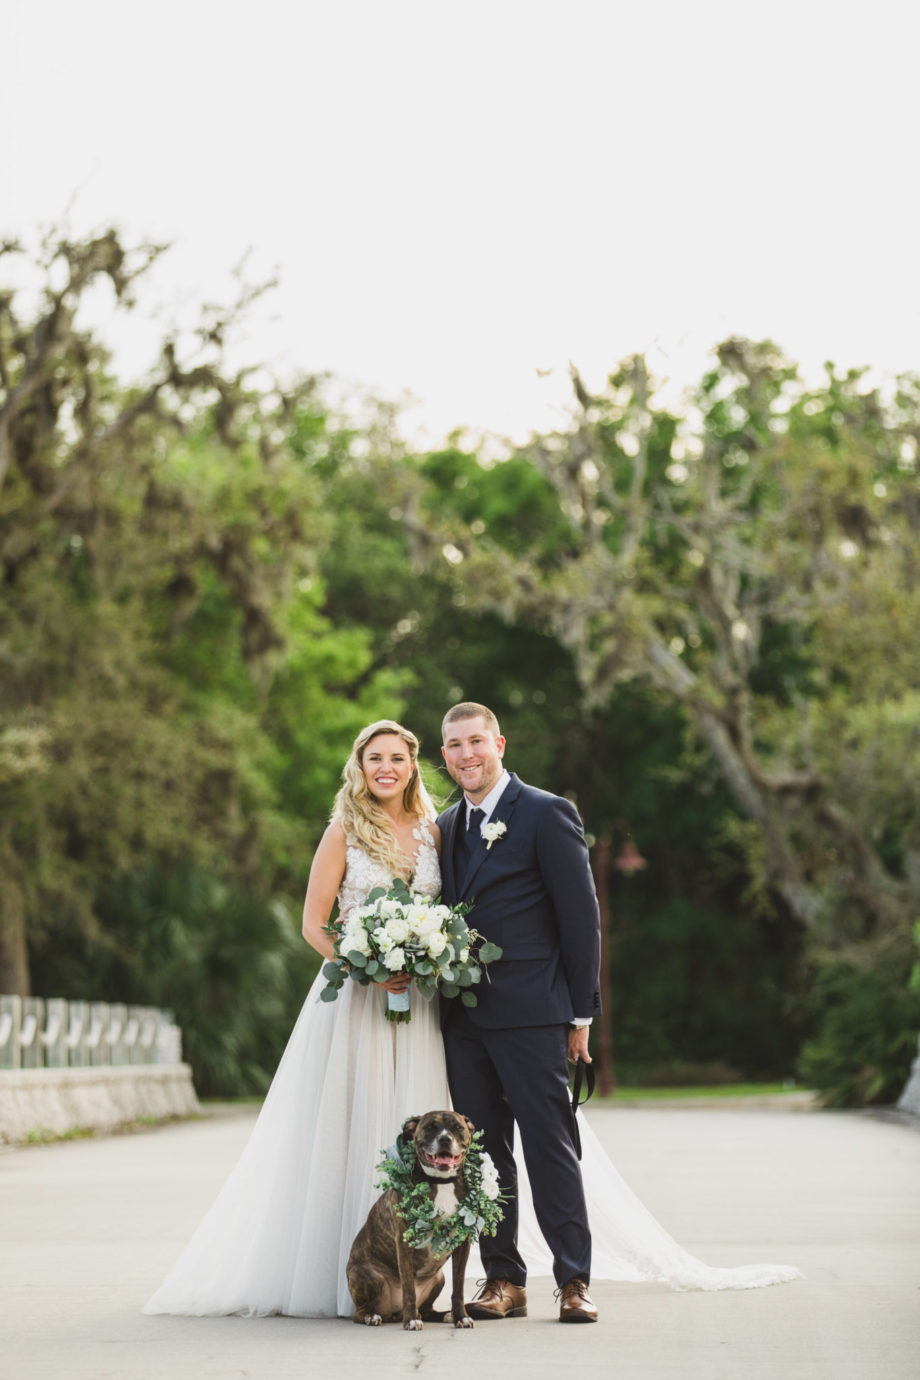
37 1033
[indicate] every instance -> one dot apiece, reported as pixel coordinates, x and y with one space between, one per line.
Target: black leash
584 1074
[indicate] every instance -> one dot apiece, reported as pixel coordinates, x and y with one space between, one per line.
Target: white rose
417 917
398 930
390 909
356 939
490 1185
436 944
395 959
382 939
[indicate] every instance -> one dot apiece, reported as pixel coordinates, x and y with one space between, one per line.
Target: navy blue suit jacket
532 893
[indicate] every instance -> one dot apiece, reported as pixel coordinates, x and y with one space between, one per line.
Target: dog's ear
409 1127
470 1125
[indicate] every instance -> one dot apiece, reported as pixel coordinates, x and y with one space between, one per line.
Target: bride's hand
396 982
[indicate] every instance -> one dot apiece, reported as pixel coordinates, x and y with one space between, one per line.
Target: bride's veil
431 810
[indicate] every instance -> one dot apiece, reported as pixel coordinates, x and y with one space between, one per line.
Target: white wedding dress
277 1238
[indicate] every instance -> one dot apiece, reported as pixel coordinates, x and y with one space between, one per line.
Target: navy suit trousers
497 1078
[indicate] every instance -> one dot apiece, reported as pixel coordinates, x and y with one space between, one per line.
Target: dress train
277 1238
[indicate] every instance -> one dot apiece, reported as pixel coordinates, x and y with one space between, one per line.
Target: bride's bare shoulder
334 841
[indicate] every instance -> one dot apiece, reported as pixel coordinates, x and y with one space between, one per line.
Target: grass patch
719 1090
42 1136
232 1101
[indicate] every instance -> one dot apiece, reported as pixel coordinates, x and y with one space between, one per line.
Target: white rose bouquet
401 931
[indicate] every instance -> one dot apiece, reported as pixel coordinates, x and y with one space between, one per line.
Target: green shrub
867 1013
678 1073
232 967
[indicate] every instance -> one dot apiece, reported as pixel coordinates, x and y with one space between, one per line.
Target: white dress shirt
488 804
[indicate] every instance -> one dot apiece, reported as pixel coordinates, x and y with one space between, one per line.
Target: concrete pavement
88 1228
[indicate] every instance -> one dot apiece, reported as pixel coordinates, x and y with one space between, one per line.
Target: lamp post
627 861
607 1079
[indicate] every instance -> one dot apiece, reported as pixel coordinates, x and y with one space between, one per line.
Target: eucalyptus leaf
469 999
490 953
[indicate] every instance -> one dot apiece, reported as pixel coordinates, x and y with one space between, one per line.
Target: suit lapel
481 853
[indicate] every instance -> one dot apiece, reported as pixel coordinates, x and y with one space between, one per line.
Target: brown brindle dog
390 1280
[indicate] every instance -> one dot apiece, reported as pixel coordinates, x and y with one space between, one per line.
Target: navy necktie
468 839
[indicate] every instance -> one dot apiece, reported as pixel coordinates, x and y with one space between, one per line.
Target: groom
529 882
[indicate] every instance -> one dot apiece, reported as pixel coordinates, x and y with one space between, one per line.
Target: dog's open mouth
440 1161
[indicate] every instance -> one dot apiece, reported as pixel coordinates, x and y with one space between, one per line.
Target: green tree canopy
696 620
175 705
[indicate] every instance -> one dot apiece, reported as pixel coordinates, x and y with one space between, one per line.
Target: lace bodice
362 873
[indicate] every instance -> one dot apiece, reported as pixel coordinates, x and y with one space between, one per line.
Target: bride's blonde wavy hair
357 810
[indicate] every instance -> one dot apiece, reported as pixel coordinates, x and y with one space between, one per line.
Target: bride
277 1238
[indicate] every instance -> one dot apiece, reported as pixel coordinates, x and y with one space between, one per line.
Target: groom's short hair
470 710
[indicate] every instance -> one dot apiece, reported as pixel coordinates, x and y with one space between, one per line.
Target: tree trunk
748 794
14 953
767 806
766 812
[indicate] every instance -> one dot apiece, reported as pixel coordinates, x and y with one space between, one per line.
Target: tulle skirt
278 1236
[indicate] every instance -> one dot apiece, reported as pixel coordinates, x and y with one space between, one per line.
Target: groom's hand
578 1045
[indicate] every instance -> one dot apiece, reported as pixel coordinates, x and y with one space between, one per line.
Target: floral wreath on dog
478 1212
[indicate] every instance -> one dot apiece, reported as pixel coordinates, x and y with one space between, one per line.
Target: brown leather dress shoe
575 1303
499 1298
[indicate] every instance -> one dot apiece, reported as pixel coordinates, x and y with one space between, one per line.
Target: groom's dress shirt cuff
489 802
578 1021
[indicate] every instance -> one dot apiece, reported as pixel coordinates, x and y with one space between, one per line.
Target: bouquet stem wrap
398 1007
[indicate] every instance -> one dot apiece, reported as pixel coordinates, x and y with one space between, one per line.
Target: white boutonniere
493 831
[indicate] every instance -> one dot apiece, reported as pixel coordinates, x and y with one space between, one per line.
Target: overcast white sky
458 195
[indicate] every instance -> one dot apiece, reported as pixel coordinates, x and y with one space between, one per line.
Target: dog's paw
413 1325
373 1320
464 1322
